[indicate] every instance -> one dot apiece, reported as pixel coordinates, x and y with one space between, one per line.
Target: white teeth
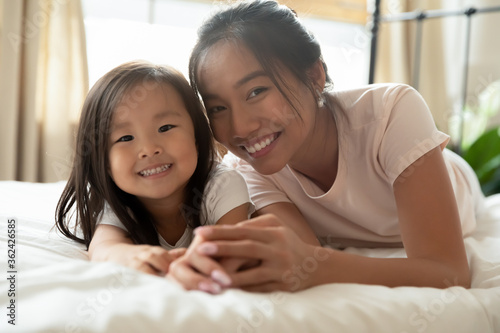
259 145
154 171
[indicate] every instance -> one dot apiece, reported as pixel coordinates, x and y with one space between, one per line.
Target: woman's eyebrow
249 77
239 83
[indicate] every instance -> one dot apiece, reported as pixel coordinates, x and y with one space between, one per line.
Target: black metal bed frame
419 17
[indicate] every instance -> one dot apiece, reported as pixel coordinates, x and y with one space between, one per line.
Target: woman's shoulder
379 92
363 105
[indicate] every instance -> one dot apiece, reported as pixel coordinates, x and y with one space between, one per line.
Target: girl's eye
256 92
165 128
125 138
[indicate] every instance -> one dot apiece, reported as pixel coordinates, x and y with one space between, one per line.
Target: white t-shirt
382 130
225 190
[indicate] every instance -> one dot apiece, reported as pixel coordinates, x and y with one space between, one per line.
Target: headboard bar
420 17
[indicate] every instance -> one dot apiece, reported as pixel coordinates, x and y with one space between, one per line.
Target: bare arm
105 237
235 215
291 216
430 229
111 243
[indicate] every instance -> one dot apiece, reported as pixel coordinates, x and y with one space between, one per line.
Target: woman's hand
197 271
285 261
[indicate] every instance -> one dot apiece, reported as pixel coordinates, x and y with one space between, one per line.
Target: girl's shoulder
224 176
226 189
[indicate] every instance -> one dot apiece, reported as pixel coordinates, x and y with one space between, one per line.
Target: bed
49 285
52 287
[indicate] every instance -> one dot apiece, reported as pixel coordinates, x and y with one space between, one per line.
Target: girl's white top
225 190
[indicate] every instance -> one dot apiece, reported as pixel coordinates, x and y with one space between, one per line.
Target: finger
265 288
250 263
203 264
266 220
237 232
177 253
265 279
254 276
187 277
157 257
237 248
233 264
145 268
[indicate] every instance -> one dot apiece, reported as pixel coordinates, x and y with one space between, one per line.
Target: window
164 31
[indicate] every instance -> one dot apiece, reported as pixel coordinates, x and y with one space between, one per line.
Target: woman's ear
317 75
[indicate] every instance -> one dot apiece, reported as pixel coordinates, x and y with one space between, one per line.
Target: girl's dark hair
272 32
90 186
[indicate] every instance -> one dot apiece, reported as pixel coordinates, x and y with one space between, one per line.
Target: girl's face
152 152
247 112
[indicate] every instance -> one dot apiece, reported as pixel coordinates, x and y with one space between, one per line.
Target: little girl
145 172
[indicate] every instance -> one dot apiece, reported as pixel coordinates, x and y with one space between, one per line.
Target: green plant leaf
493 185
484 157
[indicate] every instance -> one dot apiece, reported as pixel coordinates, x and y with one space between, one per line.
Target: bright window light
164 32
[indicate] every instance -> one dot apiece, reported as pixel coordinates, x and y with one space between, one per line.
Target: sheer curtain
43 70
396 53
442 55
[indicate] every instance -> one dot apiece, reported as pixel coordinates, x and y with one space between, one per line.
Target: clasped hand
255 255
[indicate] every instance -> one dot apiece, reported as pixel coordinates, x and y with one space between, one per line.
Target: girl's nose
149 149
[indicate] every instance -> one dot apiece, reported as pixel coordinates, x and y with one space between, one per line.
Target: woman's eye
165 128
256 92
215 109
125 138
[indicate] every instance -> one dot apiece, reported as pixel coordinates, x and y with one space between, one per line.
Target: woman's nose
243 123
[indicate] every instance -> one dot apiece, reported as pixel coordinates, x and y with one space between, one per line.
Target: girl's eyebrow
119 126
166 114
156 117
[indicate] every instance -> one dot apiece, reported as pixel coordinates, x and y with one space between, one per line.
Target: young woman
146 174
363 167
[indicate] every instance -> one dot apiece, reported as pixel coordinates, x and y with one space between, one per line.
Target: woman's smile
261 146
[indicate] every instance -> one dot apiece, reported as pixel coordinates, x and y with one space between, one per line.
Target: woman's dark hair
90 185
272 32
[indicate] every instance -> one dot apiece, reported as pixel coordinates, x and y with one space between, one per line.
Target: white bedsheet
58 290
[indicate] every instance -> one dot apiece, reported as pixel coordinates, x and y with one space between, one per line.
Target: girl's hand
111 243
196 271
145 258
286 261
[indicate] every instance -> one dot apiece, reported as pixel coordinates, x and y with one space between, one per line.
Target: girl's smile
155 171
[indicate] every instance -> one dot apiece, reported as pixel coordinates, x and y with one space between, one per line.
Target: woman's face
247 112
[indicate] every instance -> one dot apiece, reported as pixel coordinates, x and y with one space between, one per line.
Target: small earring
321 99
